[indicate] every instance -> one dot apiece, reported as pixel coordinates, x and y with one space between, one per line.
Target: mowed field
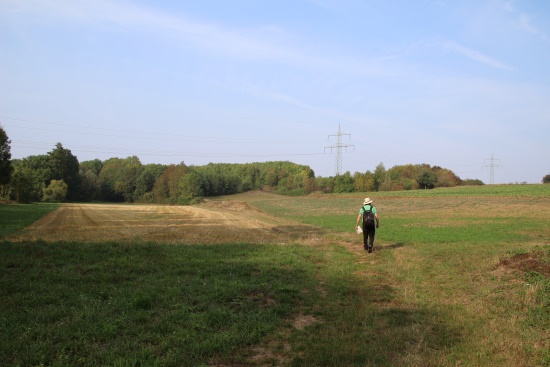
212 223
259 217
459 277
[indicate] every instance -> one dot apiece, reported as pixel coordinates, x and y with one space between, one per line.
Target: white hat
367 201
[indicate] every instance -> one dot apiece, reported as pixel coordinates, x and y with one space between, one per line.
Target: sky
463 85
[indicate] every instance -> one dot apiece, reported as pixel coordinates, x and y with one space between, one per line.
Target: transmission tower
338 147
492 167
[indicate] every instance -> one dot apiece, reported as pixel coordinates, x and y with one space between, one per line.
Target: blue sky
448 83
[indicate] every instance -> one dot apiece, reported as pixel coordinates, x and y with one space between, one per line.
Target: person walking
369 216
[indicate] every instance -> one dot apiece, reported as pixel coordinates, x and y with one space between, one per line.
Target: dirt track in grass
211 222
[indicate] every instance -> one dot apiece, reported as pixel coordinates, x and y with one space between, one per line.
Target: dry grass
210 223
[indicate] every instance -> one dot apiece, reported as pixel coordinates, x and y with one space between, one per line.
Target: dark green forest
59 176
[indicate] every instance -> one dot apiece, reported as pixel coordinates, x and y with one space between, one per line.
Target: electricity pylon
338 147
492 166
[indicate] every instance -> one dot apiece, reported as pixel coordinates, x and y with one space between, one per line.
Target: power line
142 152
147 133
339 147
492 166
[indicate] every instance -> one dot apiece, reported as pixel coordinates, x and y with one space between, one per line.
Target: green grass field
458 278
14 217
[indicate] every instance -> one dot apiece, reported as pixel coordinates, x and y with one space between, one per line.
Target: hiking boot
369 249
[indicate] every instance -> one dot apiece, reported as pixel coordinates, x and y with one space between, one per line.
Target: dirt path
212 222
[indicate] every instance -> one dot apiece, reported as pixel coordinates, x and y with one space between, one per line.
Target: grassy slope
433 295
440 256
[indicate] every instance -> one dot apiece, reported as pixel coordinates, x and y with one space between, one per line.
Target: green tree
64 166
35 172
363 181
108 177
22 184
5 163
146 181
344 183
5 157
271 178
166 188
93 166
56 191
251 177
90 186
472 181
427 179
160 190
324 184
546 179
308 181
174 187
90 182
190 188
119 178
127 176
379 176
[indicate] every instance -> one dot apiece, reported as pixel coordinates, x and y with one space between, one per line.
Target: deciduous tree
5 157
190 188
427 179
363 181
344 183
5 163
90 182
64 166
56 191
22 184
36 172
379 176
147 179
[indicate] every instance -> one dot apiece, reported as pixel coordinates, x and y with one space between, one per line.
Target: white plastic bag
358 229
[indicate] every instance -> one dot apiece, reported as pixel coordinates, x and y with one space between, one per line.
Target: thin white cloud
526 23
290 100
265 43
100 14
476 55
525 20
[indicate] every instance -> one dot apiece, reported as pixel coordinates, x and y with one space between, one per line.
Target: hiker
368 214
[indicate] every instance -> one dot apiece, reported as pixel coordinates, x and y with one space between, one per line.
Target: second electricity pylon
338 147
492 166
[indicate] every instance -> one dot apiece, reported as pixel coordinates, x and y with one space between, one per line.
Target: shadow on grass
366 324
105 304
300 231
385 337
392 247
152 304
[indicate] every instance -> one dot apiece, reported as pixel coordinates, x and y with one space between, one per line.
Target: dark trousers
368 236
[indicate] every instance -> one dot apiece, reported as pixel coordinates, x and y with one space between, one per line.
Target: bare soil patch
212 222
527 263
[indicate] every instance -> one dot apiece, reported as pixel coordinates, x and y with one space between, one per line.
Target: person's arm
377 220
358 219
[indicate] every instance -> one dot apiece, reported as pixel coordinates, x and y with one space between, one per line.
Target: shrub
472 182
56 191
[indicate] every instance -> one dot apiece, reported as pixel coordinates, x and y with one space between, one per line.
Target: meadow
459 277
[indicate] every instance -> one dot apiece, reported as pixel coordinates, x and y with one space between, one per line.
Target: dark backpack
368 216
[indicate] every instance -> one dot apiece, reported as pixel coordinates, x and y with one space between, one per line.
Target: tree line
59 176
